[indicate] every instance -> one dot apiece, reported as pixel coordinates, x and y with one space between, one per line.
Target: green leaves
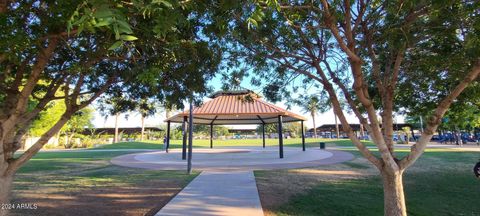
116 45
128 37
106 17
251 23
123 39
104 12
163 2
256 17
434 66
124 27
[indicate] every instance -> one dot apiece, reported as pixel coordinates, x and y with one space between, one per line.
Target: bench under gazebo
236 107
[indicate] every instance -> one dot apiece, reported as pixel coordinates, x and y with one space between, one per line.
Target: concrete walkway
217 193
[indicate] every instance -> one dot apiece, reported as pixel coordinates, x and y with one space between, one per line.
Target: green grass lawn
91 164
133 145
440 183
198 143
66 161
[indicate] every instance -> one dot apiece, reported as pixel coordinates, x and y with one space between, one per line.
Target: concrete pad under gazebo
236 107
239 158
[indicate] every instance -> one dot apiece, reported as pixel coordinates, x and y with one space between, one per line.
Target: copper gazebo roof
237 107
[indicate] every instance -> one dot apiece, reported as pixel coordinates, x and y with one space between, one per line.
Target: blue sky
133 119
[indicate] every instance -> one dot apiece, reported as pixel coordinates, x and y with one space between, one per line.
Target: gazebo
236 107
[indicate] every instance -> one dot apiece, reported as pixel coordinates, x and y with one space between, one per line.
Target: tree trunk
115 136
57 136
407 141
143 128
314 126
362 132
5 190
336 125
458 136
3 6
394 198
168 113
70 137
65 145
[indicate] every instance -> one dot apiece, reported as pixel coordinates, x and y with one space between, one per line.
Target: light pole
421 123
190 138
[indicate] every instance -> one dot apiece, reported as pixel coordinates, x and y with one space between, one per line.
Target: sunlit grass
441 182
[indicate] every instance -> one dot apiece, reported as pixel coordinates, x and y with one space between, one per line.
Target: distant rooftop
111 130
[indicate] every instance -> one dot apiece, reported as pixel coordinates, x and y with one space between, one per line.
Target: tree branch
14 164
362 8
21 99
330 22
348 26
347 96
345 125
436 118
4 6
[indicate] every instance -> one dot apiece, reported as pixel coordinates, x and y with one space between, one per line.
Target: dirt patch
143 199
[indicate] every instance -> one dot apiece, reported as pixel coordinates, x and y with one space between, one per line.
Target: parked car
434 138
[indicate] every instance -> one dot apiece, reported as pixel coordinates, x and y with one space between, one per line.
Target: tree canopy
86 49
438 62
47 118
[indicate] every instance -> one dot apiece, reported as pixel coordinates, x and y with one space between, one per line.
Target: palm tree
336 125
313 105
115 106
145 108
115 137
